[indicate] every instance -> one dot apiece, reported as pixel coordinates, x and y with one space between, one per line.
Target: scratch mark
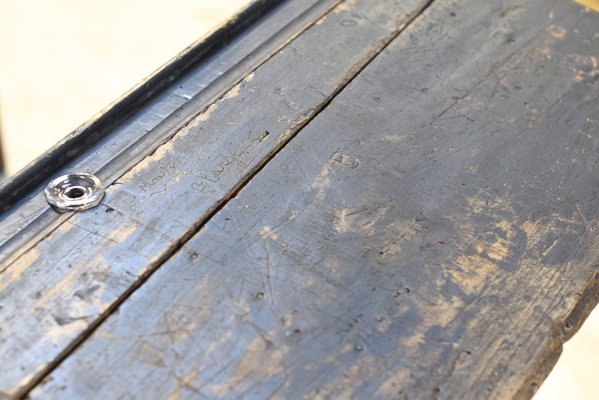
269 275
299 166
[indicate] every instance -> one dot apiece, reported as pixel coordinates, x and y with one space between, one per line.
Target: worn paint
220 153
590 4
203 117
58 332
234 92
261 361
184 383
16 270
345 7
422 258
558 32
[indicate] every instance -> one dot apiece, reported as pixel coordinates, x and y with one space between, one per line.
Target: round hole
75 192
568 325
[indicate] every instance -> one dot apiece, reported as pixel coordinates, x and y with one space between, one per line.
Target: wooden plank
192 90
63 287
431 234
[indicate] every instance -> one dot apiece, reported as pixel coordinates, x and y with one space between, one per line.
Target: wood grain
190 92
62 288
431 234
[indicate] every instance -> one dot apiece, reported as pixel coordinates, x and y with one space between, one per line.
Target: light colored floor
63 60
575 375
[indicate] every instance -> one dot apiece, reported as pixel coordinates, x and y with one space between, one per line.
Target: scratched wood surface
431 233
148 127
56 292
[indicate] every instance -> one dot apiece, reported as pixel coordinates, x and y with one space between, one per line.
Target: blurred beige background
61 61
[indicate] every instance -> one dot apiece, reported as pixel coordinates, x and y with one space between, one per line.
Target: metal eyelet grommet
74 192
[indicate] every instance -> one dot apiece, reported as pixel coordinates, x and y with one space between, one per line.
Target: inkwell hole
75 192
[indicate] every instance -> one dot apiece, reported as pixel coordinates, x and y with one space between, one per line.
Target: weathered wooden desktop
323 199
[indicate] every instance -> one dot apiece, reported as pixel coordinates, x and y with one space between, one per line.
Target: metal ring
74 192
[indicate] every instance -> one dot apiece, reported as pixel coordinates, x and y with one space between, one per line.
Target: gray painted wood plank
431 234
66 284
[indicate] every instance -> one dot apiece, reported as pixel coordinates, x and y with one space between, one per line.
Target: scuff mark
13 274
557 32
585 68
234 92
261 361
345 160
